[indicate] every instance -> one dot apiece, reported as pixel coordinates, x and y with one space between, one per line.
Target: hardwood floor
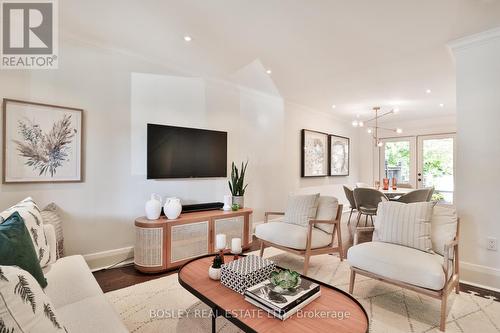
125 276
122 277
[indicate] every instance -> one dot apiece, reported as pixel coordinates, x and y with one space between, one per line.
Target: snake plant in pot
236 184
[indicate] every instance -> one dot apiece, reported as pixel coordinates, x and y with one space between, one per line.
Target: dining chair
431 192
352 203
420 195
367 200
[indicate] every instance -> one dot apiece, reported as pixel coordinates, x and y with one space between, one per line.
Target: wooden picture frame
42 143
315 161
340 155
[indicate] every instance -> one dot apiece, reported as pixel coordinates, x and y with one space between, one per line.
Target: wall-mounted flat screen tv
180 152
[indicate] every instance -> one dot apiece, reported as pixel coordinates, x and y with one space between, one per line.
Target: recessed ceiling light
399 130
361 124
269 71
369 131
188 38
334 106
396 110
441 105
428 91
355 123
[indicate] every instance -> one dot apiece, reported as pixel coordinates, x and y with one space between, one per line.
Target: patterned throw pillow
24 307
30 213
404 224
51 216
301 208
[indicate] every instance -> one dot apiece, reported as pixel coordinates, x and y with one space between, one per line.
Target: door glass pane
397 161
437 167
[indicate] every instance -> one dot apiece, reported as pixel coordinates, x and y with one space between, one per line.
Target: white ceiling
351 53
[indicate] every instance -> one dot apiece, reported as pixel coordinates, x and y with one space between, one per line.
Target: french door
398 160
436 165
421 161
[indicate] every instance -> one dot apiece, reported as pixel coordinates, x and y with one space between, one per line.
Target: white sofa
78 299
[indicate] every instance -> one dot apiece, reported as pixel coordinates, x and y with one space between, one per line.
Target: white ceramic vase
153 207
228 201
172 208
214 273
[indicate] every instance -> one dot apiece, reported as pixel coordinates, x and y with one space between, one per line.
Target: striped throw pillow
51 216
301 208
404 224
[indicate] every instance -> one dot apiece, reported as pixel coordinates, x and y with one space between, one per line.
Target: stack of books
282 303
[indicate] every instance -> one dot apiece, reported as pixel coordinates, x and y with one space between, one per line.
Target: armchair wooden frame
451 281
308 252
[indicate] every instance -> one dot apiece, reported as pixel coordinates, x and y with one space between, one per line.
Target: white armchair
317 238
434 273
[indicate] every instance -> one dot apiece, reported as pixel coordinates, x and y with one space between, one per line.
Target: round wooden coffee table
334 311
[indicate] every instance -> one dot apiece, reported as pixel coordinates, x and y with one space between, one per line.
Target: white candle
220 241
236 245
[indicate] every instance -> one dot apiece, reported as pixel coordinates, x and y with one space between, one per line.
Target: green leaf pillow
17 249
25 307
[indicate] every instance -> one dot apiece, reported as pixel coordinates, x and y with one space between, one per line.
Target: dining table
394 193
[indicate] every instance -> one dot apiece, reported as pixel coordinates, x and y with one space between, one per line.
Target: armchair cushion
291 235
404 224
444 227
301 208
327 210
399 263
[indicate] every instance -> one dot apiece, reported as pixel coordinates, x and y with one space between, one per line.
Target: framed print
314 154
41 143
339 156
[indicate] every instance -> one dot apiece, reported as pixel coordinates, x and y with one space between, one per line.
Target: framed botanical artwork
41 143
339 156
314 153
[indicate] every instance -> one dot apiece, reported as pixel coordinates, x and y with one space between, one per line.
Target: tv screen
180 152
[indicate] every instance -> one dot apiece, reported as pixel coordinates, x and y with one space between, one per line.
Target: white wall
478 181
120 93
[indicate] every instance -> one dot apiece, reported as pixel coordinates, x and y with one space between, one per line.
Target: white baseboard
480 276
104 259
479 285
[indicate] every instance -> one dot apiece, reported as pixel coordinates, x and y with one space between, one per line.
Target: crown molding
474 40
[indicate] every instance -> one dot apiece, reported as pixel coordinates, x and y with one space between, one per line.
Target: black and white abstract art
339 156
42 143
314 153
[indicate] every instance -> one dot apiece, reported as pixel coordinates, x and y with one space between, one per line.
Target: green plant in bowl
285 280
235 207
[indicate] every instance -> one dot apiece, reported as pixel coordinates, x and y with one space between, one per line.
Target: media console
165 244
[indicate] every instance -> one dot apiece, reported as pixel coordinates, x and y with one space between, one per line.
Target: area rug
159 305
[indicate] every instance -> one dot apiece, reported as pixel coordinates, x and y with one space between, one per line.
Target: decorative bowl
285 280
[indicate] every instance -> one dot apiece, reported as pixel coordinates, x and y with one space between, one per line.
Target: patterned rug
158 305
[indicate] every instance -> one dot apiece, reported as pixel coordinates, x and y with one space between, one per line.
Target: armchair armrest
312 222
267 214
450 248
361 230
